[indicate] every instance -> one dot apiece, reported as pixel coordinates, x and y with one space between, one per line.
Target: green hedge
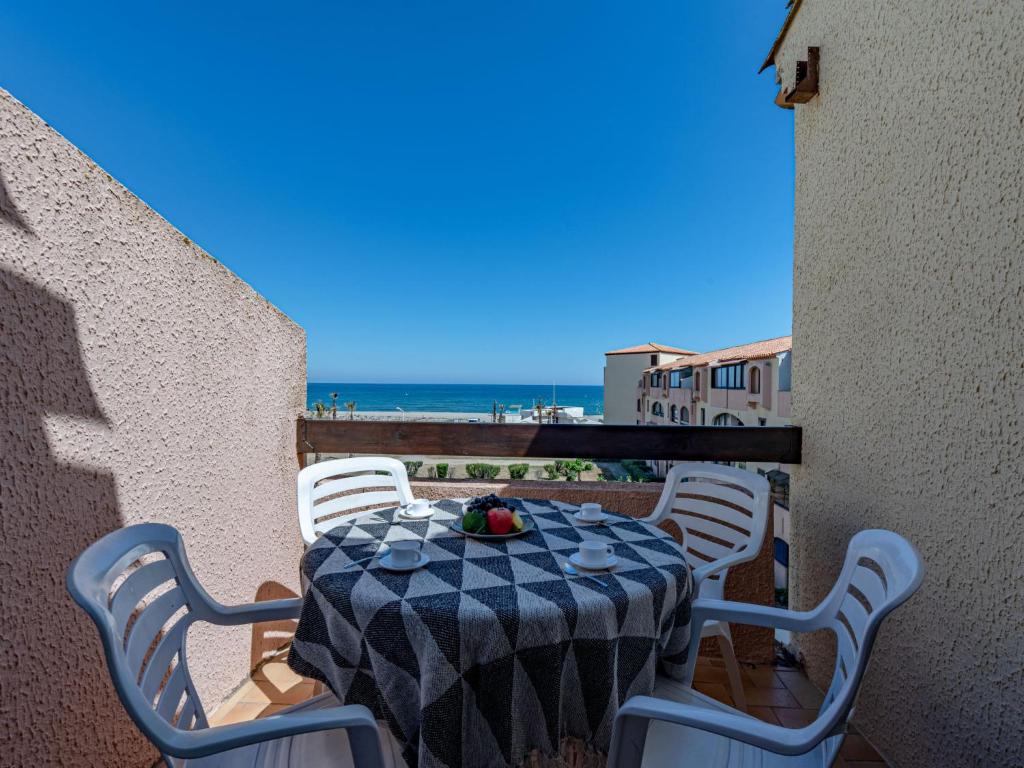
483 471
442 471
572 469
518 471
412 467
638 471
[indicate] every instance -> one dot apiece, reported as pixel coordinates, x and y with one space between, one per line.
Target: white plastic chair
723 513
110 580
881 571
342 476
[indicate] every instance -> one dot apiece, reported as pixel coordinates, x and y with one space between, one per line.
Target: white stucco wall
141 381
908 373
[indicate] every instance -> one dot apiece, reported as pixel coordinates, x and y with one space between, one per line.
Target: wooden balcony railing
548 441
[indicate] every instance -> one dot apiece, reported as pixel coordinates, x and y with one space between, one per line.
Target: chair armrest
363 733
757 615
630 732
706 609
254 613
736 558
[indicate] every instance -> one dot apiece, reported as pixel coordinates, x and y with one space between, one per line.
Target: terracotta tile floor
775 694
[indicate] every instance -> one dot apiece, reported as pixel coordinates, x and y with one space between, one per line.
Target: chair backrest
721 510
136 585
329 488
881 571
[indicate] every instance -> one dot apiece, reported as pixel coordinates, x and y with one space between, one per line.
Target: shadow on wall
51 660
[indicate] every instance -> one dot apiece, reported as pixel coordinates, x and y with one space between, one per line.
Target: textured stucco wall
141 381
909 354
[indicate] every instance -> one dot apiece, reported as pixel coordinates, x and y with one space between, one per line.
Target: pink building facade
745 385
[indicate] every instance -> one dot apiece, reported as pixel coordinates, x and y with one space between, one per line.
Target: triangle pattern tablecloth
492 650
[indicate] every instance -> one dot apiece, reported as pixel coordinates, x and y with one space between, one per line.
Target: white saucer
579 516
611 562
386 564
409 516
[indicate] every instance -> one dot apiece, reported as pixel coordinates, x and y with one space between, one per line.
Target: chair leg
732 669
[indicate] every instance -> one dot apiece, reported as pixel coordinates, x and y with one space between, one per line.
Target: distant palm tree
320 409
334 405
351 405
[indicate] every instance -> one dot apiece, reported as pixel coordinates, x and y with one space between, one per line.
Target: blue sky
447 192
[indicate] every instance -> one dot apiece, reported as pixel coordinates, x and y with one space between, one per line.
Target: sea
453 398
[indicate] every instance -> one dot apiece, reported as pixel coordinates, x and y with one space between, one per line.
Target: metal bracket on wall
806 86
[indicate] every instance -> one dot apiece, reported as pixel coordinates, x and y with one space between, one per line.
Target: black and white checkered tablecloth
492 650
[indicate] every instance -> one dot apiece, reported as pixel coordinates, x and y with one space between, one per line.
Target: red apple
499 520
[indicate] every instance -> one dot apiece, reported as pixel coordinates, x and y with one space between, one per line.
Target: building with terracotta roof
623 368
744 385
650 348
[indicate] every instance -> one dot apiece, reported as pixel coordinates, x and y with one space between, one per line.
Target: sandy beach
410 416
442 416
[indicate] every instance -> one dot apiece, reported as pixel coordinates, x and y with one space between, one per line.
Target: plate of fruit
488 517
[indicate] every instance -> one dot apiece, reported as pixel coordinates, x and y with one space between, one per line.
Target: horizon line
452 383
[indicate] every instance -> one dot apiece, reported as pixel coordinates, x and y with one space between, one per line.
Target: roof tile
758 350
650 347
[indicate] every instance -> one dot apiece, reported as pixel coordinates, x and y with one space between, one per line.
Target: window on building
726 420
728 376
762 422
686 378
684 415
675 379
785 371
755 380
654 359
638 404
696 381
673 414
657 409
703 417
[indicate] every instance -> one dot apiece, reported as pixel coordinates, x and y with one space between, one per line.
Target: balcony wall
141 381
751 582
785 404
909 235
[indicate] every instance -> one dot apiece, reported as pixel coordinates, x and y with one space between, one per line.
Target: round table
492 652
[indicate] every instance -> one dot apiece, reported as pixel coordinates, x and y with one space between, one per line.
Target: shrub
518 471
610 475
483 471
638 471
442 471
573 469
412 467
570 470
551 471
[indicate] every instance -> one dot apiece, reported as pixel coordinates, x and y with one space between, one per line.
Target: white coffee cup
590 511
418 508
405 552
595 553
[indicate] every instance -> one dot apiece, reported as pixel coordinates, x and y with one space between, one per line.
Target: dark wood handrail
548 441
